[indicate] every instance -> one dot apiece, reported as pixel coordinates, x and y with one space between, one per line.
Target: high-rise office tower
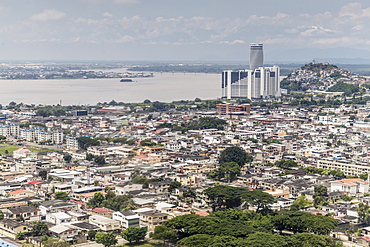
258 82
256 56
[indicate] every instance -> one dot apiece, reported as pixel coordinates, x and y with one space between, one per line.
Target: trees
298 221
258 199
67 158
134 234
40 229
106 239
118 203
61 196
20 235
320 192
363 211
229 170
85 142
346 198
111 201
285 163
55 242
91 234
164 233
96 200
300 202
236 228
234 154
174 185
100 160
43 174
224 196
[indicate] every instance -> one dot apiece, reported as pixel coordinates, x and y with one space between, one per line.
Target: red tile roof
201 213
102 210
34 182
14 192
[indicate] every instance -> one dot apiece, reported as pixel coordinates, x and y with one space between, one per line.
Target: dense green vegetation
111 201
317 67
233 227
231 160
85 142
348 89
198 124
235 154
223 197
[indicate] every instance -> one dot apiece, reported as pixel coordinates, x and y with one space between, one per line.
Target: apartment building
348 167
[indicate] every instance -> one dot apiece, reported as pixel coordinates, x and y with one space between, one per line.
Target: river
165 87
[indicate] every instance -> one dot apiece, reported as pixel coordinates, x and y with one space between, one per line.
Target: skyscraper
258 82
256 56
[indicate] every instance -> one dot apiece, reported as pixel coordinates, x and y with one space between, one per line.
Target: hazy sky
182 29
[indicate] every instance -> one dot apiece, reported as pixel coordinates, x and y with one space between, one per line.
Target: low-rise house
151 219
124 189
127 218
85 193
10 228
23 153
279 193
11 202
68 234
30 213
363 240
159 186
78 216
54 206
102 211
351 186
20 193
83 227
104 223
281 203
58 218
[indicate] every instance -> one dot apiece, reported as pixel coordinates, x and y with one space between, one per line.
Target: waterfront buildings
258 82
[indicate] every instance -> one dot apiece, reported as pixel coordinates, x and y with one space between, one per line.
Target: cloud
86 21
124 39
47 15
354 10
315 30
106 14
237 41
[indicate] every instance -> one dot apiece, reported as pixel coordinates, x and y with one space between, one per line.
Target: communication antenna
313 61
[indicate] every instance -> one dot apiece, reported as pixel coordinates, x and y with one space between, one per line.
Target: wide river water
165 87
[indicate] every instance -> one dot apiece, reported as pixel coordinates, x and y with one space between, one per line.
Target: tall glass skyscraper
256 56
258 82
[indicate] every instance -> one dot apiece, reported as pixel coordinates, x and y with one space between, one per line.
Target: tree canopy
61 195
134 234
235 228
235 154
40 228
106 239
223 196
111 201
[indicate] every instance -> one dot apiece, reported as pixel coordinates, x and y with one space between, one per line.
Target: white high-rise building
256 56
258 82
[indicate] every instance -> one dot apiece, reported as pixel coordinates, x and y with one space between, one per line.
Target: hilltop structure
258 82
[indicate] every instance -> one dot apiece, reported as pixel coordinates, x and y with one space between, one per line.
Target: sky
183 30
